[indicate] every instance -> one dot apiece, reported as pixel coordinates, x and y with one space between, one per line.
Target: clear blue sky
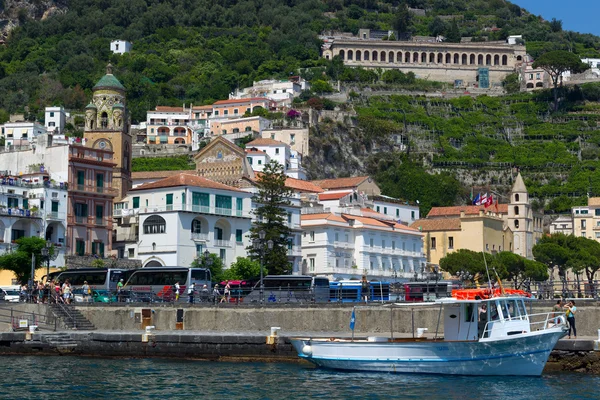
577 15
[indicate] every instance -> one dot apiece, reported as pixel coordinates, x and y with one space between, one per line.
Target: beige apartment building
586 219
480 231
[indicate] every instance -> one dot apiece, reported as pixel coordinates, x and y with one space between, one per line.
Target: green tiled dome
108 81
118 105
91 105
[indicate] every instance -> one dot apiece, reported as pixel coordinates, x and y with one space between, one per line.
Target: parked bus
427 291
239 289
350 291
291 289
97 278
160 281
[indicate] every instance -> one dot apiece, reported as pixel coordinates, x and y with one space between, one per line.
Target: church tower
520 219
107 127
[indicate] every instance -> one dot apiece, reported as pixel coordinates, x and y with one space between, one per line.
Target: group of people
569 309
51 292
218 297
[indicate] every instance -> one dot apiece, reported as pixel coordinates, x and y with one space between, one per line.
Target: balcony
222 243
20 212
295 251
55 216
89 220
203 237
195 209
125 212
105 190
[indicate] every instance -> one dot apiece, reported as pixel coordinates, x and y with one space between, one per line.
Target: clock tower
107 127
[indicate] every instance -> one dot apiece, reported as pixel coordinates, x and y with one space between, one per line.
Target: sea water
67 377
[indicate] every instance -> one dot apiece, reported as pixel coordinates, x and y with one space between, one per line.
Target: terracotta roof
469 210
327 216
437 224
368 221
594 201
157 174
186 179
302 186
405 227
341 183
265 142
233 101
208 107
333 196
169 109
255 151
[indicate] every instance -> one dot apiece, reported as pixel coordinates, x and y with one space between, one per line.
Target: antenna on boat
487 270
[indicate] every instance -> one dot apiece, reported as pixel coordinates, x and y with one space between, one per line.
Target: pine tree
271 217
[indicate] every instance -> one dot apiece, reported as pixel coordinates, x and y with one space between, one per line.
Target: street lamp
207 260
258 244
46 256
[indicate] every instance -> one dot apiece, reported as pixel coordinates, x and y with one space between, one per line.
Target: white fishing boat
486 332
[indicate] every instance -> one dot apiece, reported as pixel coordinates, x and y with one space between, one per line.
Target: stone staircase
71 317
61 341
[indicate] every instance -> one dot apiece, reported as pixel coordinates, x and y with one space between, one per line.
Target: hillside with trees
198 51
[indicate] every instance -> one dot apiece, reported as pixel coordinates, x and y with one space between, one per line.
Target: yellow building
586 220
480 231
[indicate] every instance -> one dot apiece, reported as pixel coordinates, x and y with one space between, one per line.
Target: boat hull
524 355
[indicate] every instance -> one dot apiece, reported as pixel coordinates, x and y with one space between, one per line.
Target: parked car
98 296
10 295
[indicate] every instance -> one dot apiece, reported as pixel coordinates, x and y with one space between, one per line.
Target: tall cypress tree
271 217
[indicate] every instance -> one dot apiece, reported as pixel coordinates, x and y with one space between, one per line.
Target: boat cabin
484 319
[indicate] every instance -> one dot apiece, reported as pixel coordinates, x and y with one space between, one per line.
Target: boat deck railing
537 322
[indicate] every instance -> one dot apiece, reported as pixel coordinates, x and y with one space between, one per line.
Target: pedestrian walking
204 295
177 288
364 287
216 294
571 310
87 291
227 291
191 290
120 291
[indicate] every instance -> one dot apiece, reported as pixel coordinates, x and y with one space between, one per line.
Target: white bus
160 282
97 278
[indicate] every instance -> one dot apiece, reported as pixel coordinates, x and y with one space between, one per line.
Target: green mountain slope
200 50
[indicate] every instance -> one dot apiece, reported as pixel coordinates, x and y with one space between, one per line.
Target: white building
32 205
344 246
282 92
261 151
120 46
21 133
173 220
297 138
562 224
55 119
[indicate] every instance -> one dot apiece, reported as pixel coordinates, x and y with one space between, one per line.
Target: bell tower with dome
107 127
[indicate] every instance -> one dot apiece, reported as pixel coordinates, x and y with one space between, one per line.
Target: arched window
358 55
350 55
516 210
415 57
236 130
480 59
448 58
104 120
539 84
399 57
248 129
423 58
374 58
530 85
519 58
496 59
440 58
391 57
196 226
367 55
488 60
382 59
407 57
516 224
516 197
464 59
504 60
472 59
456 58
154 224
342 54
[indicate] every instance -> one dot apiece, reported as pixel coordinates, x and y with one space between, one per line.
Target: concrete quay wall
318 318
